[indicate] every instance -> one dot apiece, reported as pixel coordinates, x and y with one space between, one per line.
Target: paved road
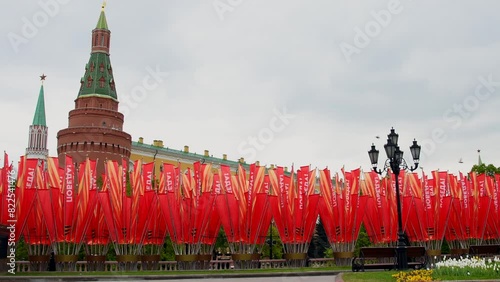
288 278
292 278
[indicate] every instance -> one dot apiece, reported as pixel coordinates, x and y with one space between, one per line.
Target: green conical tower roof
98 78
39 118
102 23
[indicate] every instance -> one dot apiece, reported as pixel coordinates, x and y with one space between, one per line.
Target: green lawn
476 277
372 276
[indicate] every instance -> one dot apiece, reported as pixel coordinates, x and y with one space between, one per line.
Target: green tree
221 241
445 248
99 181
167 253
319 242
21 250
490 169
111 255
276 243
129 184
363 240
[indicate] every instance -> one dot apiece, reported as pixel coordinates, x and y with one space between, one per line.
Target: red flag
25 193
148 176
69 190
6 196
124 174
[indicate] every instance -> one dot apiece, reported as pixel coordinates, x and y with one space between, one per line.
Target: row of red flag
446 205
67 204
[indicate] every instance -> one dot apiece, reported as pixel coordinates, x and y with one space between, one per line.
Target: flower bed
468 266
414 275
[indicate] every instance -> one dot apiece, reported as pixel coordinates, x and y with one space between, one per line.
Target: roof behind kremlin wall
140 149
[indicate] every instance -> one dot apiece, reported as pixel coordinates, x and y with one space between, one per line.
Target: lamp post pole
395 163
401 247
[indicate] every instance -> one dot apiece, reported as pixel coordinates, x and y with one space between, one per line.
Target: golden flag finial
103 5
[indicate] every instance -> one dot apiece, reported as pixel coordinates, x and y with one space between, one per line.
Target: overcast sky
280 81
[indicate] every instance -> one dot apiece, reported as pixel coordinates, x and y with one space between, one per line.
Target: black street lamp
395 163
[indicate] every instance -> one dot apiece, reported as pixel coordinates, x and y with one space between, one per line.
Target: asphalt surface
264 279
254 277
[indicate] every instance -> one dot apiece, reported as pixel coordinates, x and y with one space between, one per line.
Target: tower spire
102 23
98 78
37 143
39 118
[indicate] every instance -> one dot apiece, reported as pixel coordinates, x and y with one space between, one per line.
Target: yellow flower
414 275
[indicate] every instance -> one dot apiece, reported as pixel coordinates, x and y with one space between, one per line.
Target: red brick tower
95 127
